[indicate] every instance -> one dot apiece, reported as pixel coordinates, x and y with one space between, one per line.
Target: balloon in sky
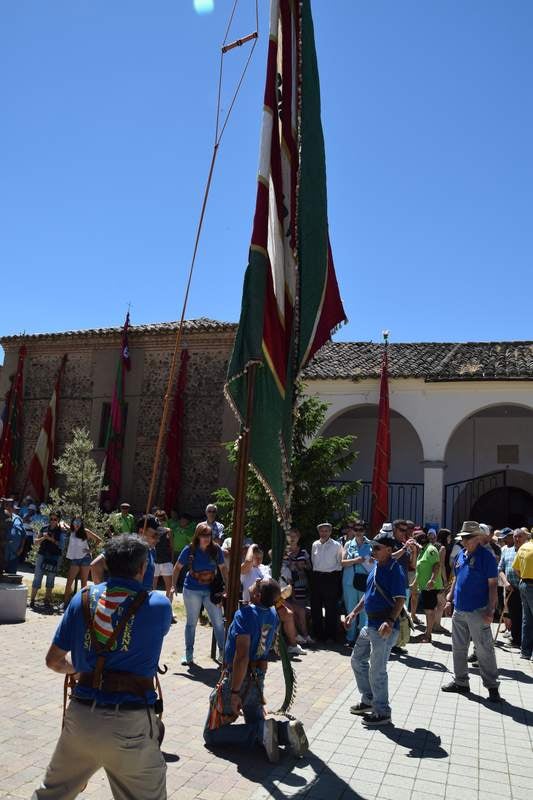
204 6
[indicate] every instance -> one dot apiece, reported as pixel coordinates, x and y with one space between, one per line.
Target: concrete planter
13 599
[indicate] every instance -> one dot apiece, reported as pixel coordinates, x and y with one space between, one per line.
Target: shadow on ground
308 777
422 743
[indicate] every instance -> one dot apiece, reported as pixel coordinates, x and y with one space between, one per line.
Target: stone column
433 491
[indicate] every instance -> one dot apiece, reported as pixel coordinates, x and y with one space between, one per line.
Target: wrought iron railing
406 500
459 497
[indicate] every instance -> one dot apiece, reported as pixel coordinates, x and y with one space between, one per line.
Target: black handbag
217 587
359 581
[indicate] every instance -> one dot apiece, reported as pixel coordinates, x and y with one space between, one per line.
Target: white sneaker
297 738
301 639
310 640
296 650
270 740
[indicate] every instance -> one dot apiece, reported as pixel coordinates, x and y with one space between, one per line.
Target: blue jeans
526 595
369 662
251 732
194 599
351 597
39 573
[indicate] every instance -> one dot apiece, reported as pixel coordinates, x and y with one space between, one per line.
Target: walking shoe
455 687
270 740
494 695
473 658
360 708
296 650
399 651
524 657
373 720
186 660
32 603
310 640
297 738
301 639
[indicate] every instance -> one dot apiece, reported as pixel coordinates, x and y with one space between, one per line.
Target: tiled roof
433 361
200 325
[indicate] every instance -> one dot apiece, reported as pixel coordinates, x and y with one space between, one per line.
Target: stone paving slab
440 746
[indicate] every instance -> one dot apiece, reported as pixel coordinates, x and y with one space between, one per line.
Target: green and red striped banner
291 302
112 467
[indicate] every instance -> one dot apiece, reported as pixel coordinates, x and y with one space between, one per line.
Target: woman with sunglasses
201 557
48 540
356 564
79 555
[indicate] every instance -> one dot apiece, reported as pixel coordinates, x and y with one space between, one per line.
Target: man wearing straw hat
474 593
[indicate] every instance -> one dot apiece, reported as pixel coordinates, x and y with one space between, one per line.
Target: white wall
472 449
406 449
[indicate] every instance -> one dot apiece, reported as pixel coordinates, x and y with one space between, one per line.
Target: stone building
461 414
87 389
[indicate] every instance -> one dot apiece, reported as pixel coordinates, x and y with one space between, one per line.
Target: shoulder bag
406 624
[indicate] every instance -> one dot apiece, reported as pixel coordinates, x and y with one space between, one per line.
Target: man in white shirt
326 555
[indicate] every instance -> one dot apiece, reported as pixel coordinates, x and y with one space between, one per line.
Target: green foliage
317 461
80 484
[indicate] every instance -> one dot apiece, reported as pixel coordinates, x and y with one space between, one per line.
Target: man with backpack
110 641
383 602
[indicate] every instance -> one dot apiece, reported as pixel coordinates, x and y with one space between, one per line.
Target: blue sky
106 135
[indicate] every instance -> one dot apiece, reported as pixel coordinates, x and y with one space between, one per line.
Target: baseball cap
504 533
385 538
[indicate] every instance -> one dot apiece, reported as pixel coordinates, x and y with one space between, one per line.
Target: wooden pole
237 530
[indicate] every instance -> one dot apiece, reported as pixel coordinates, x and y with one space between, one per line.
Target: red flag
112 468
11 441
175 437
41 471
380 475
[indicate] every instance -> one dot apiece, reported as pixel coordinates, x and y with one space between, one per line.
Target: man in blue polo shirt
383 602
113 726
474 593
249 640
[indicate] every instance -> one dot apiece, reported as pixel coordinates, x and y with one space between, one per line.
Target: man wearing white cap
474 593
326 556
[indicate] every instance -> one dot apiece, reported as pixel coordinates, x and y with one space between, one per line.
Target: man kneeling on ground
248 644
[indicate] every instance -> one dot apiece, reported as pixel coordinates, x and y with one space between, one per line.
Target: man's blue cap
504 533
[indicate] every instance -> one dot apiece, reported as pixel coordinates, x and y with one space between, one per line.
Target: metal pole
237 531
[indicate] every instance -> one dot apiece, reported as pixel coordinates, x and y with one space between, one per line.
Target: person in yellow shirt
523 566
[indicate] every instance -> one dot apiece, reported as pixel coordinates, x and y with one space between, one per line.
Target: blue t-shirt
391 579
260 624
472 573
201 562
138 648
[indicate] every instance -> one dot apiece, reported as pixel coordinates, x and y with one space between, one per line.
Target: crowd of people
359 591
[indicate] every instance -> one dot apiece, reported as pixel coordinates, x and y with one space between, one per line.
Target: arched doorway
506 505
406 478
489 467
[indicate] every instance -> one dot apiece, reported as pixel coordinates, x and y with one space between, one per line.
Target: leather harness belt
115 681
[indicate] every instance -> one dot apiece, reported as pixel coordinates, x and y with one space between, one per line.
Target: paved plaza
440 746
